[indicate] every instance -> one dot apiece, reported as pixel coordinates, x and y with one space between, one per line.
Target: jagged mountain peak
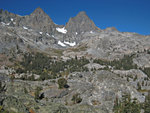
80 23
38 11
40 14
40 21
81 14
110 29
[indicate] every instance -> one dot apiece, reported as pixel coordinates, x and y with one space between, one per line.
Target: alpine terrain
71 68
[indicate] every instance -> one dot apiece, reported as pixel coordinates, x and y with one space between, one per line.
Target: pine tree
126 105
147 103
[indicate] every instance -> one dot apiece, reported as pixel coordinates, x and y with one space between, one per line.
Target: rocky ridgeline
38 31
37 20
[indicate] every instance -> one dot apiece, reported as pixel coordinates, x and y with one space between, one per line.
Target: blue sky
125 15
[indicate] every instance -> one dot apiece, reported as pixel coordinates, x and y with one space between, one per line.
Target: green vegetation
147 104
79 48
25 90
126 105
138 86
146 71
2 110
76 98
135 78
2 87
62 82
50 68
125 63
57 52
37 93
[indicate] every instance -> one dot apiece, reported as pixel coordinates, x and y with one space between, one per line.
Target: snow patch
70 43
4 23
14 22
91 32
41 33
7 24
62 30
12 19
53 36
61 44
25 27
47 34
76 33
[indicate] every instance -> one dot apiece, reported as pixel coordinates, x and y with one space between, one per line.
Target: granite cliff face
80 24
109 64
38 20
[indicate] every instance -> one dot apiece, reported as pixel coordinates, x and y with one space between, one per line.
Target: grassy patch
79 48
142 90
57 52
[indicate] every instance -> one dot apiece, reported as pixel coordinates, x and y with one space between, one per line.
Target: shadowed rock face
6 16
80 23
38 20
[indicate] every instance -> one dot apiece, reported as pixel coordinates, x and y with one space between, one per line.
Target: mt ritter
71 68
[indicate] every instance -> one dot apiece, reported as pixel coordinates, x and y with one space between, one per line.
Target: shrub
62 82
147 103
25 90
19 70
138 86
147 71
76 98
126 105
37 92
